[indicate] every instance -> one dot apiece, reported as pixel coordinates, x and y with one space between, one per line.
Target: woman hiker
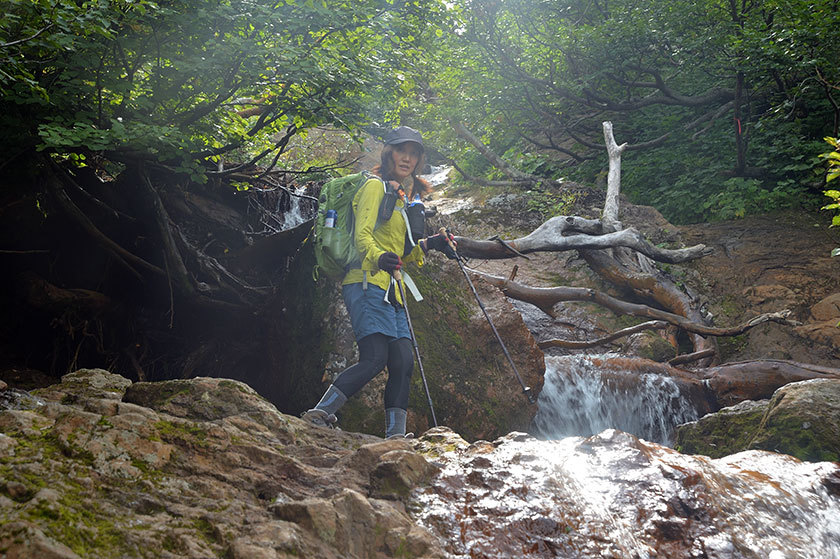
373 301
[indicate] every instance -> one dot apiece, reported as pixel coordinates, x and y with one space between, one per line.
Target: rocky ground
99 467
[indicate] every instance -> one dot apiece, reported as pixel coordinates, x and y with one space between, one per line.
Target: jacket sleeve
366 210
416 255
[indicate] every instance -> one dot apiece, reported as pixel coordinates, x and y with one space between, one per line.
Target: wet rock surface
801 419
206 468
614 495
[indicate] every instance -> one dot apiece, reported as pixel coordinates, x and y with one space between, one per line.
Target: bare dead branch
576 344
550 237
546 297
689 357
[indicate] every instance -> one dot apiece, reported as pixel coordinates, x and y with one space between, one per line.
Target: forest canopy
150 148
724 103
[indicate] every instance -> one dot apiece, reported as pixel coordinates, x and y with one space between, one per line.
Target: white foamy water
438 176
300 210
613 495
578 398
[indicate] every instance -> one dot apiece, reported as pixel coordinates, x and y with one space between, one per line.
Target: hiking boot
320 418
406 436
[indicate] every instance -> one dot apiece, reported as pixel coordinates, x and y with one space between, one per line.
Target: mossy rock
802 419
725 432
200 398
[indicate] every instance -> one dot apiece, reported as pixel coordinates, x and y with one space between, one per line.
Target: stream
577 399
599 480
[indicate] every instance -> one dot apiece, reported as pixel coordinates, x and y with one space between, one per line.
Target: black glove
389 261
440 242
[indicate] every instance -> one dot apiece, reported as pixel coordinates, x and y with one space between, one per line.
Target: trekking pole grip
443 232
397 275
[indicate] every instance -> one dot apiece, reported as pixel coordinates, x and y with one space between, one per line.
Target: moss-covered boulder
198 398
725 432
801 419
191 469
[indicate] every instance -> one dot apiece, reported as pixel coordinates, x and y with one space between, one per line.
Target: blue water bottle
329 221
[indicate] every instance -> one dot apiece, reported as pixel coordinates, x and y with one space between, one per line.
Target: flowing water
613 495
301 208
597 488
578 398
439 175
601 482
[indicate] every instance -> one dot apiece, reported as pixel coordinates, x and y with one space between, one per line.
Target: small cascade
579 399
439 175
277 209
299 209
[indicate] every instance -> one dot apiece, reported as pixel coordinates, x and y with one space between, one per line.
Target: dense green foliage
723 103
187 83
833 159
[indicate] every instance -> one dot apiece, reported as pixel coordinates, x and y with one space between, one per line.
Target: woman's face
405 158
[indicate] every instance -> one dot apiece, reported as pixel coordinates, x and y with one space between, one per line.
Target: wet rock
398 472
779 261
724 432
826 316
827 309
228 476
769 298
801 419
613 495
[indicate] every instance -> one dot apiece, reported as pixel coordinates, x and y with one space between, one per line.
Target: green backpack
335 251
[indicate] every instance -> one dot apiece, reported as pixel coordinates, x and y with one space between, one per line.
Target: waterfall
439 175
300 209
579 399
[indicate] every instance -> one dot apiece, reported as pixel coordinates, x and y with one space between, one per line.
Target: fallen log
546 297
757 380
587 235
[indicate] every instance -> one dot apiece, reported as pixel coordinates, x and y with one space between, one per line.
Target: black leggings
375 352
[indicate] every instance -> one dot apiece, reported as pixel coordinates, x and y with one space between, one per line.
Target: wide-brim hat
403 134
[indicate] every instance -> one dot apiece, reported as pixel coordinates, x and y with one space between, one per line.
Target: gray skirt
370 313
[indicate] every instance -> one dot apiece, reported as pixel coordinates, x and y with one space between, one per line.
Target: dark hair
386 168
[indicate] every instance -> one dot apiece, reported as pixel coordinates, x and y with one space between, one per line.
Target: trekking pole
398 277
525 389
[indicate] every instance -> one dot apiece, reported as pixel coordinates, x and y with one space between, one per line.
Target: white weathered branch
610 214
553 236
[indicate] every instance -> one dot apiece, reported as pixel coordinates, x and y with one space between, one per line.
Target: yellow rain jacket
372 241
